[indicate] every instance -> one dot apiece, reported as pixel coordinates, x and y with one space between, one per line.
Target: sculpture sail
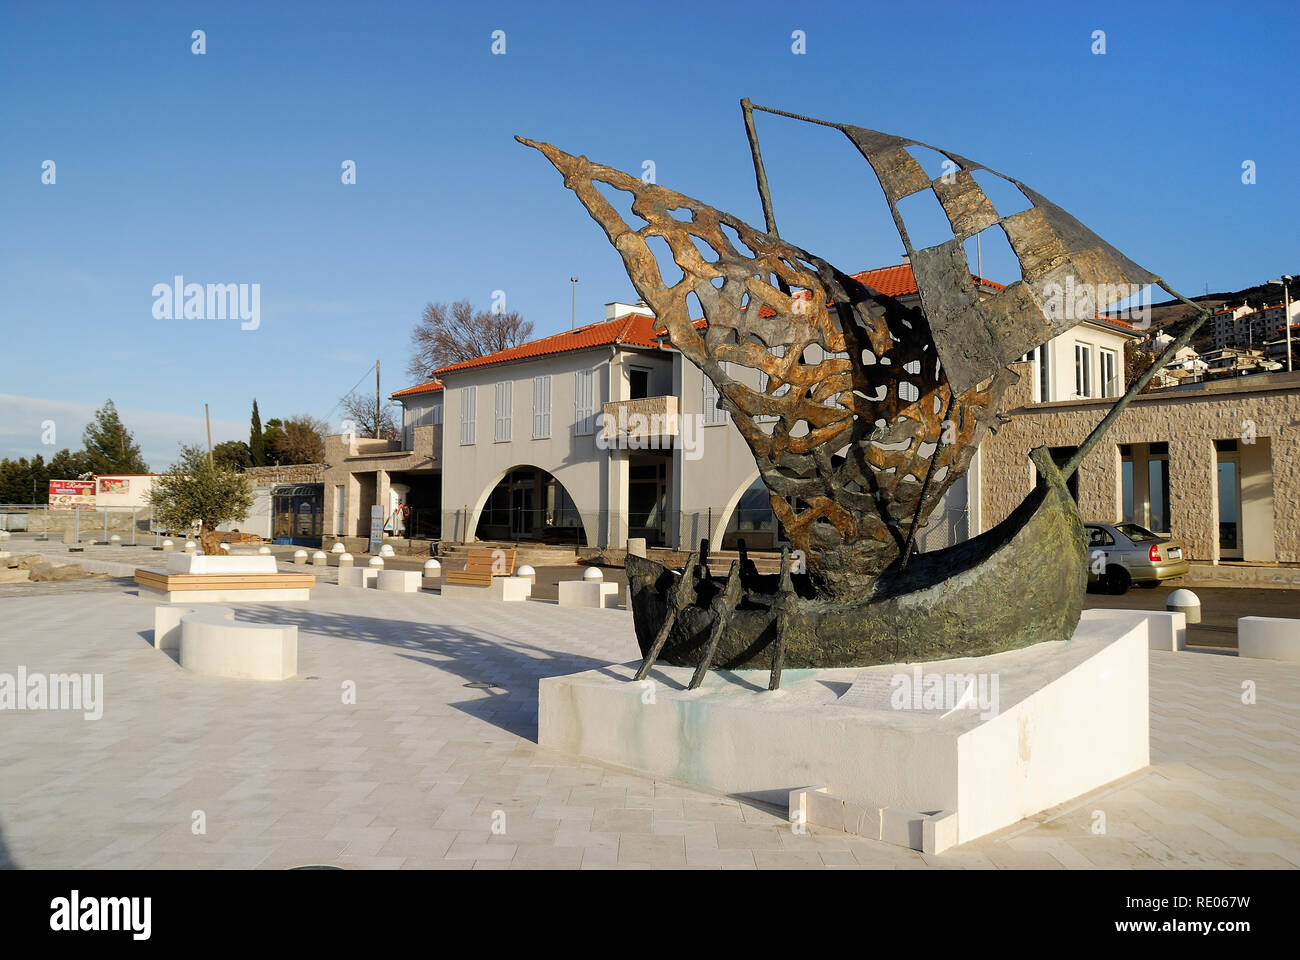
1056 253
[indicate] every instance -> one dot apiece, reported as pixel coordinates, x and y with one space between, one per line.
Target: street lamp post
573 303
1286 314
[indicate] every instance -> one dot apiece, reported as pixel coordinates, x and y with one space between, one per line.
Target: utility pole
207 419
573 303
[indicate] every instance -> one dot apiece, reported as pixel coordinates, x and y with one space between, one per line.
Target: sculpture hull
1018 584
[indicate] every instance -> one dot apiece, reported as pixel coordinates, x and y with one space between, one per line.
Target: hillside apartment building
506 447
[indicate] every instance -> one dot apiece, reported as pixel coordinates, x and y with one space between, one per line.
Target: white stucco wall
136 495
424 409
470 471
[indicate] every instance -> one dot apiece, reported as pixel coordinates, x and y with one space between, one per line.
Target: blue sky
225 167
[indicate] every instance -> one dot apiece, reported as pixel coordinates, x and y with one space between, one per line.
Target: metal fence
601 528
82 525
945 528
685 529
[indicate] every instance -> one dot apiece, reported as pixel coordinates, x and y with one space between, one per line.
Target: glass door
1229 507
521 510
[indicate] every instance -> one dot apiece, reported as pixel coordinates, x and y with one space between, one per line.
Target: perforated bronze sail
854 405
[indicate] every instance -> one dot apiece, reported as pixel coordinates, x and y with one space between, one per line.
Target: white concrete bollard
592 573
338 547
264 551
377 562
1185 602
224 546
300 558
168 546
320 559
115 541
432 570
386 550
191 546
345 560
528 572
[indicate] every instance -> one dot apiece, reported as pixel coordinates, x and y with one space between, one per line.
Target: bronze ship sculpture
869 410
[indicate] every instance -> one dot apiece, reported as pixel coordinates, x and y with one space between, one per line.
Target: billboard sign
66 494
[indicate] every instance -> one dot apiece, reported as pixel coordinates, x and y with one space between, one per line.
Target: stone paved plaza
412 774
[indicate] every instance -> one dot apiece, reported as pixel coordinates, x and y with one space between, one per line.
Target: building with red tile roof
512 445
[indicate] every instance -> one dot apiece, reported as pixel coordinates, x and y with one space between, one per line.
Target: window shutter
541 407
468 402
584 402
505 399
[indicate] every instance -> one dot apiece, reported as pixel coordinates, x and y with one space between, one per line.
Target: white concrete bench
1268 638
400 581
588 593
508 589
1165 630
193 578
358 576
210 641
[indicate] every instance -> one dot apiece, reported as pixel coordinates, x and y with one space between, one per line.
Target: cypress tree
257 439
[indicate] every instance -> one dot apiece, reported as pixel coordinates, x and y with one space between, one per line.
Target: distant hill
1172 315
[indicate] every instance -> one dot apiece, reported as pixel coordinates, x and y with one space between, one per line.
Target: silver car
1121 554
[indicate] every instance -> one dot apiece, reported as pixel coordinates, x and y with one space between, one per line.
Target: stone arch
537 513
717 534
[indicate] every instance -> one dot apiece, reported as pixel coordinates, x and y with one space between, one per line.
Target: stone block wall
1261 412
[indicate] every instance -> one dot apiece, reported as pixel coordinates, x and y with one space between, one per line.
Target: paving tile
411 775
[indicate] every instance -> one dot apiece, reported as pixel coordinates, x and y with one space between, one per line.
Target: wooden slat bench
482 566
180 587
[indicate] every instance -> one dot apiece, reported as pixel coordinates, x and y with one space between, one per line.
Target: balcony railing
647 422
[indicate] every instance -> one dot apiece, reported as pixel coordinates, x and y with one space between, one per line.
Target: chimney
617 311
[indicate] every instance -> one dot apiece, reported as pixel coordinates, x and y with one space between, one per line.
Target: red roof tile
899 281
635 329
430 387
641 330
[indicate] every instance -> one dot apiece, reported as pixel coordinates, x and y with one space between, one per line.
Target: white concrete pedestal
1056 720
196 563
358 576
1165 630
588 593
400 581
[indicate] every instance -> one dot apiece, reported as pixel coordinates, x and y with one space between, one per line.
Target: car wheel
1116 580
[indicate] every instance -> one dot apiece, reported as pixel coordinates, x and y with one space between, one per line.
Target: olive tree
197 491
